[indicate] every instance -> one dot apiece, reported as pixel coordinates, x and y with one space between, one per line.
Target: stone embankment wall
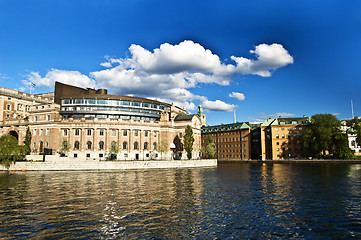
65 164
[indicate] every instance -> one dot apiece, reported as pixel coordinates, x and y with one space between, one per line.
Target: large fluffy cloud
69 77
170 71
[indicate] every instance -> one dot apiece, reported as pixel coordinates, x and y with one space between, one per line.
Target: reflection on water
233 201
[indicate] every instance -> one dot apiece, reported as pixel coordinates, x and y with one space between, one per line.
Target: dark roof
68 91
184 117
226 127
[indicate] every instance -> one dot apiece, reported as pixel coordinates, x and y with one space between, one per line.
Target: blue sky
260 58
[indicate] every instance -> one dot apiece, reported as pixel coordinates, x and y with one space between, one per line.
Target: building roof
226 127
184 117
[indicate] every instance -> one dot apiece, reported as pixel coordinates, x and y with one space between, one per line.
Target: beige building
90 121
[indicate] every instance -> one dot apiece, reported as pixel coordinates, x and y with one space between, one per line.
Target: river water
231 201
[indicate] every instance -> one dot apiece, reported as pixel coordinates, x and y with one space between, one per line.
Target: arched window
101 145
125 145
76 145
154 146
136 145
89 145
145 145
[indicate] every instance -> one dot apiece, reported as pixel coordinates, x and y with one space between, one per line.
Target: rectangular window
136 133
8 107
77 132
155 134
35 118
180 135
125 155
47 117
75 155
65 132
101 132
277 136
89 132
125 133
88 155
146 134
34 132
101 155
114 132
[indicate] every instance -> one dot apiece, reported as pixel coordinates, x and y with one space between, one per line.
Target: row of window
101 145
90 109
233 150
288 149
289 129
113 116
113 132
232 156
47 118
110 103
288 136
233 145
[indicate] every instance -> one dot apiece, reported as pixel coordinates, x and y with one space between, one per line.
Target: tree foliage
323 136
27 141
162 148
209 149
114 149
10 150
65 146
355 124
188 141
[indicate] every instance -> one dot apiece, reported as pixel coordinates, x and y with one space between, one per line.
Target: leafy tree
10 150
114 149
27 141
324 135
210 147
340 146
65 147
162 148
355 124
188 141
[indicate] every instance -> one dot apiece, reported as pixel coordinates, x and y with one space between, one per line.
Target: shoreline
86 165
354 161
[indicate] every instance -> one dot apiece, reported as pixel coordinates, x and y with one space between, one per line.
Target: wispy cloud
237 95
264 116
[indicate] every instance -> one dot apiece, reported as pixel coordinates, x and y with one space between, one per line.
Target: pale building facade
90 121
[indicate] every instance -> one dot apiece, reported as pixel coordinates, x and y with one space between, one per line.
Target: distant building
91 121
351 135
277 138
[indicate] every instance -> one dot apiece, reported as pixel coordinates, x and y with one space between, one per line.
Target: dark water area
231 201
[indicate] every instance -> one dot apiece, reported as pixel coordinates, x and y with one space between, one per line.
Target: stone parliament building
91 121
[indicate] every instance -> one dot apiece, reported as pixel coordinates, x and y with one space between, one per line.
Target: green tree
323 135
188 141
210 147
27 141
355 125
10 150
162 148
65 147
114 149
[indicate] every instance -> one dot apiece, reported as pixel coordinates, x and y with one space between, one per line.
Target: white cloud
237 95
69 77
218 106
170 71
263 116
269 58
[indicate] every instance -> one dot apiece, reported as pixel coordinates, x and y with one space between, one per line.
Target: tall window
136 145
65 132
76 145
125 133
89 145
154 146
101 145
77 132
136 133
125 145
47 117
35 118
146 134
89 132
114 132
146 145
101 132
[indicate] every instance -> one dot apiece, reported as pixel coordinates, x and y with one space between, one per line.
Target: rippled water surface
231 201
